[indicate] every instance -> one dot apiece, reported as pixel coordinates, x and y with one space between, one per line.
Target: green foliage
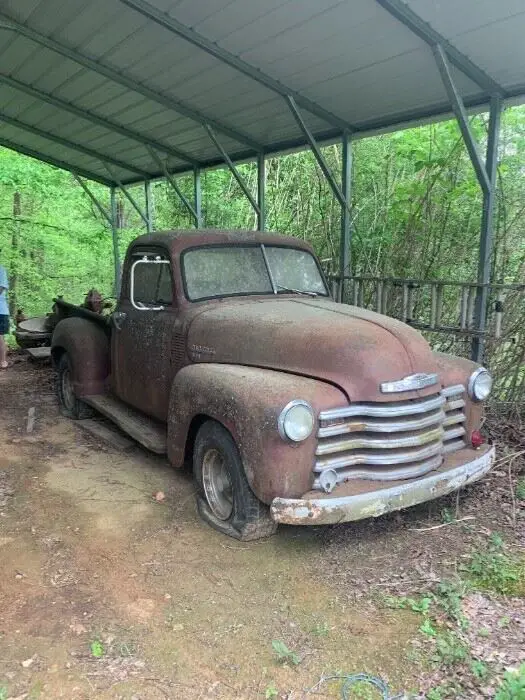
285 655
4 694
450 649
492 568
97 649
513 685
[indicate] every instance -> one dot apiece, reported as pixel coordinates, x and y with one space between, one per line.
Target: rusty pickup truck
226 352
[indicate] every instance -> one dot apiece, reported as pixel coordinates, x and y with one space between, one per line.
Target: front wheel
70 406
225 499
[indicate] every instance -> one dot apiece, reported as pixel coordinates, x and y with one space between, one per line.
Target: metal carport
125 91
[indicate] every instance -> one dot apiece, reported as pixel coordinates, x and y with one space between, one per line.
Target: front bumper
314 509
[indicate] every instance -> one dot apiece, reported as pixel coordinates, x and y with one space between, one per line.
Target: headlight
296 421
480 384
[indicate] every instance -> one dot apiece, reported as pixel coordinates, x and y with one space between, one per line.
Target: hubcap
68 395
217 485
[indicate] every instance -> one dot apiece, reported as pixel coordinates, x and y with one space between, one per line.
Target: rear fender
247 401
88 347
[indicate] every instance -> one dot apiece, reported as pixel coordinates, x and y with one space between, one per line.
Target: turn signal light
477 439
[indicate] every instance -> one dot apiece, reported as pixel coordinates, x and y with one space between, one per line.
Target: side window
151 286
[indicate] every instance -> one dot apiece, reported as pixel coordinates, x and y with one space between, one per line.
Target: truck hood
349 347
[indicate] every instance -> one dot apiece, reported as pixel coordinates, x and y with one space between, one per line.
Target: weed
428 628
271 692
321 629
447 516
484 632
448 597
504 622
493 569
97 649
283 654
3 692
445 690
513 685
421 605
520 489
450 649
479 669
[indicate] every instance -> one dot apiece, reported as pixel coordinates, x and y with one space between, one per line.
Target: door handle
118 318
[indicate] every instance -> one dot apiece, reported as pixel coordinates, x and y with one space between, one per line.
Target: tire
70 406
224 497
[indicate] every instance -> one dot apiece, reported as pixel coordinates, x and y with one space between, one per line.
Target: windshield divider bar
268 269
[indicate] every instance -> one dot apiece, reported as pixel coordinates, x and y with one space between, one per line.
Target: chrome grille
388 441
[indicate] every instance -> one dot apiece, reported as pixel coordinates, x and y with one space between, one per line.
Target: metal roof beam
96 119
129 197
171 180
317 153
175 27
236 174
55 162
31 129
402 12
461 115
94 199
127 82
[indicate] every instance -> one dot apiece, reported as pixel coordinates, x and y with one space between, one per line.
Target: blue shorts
4 324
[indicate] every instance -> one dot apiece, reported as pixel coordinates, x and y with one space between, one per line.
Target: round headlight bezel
474 378
285 414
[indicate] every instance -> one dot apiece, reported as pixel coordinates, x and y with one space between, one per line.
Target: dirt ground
106 593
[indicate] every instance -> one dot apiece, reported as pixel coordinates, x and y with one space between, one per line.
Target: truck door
146 323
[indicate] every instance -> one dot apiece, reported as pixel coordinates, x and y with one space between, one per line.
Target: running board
142 428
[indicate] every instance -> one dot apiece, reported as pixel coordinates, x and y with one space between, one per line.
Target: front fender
247 401
89 352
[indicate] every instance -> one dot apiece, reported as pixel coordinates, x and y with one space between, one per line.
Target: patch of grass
494 569
322 629
285 655
513 685
4 694
97 649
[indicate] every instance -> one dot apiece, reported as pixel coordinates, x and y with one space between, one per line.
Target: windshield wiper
296 291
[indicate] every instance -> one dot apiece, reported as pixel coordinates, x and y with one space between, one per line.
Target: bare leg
3 353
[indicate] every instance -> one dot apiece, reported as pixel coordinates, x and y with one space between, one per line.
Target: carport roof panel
114 78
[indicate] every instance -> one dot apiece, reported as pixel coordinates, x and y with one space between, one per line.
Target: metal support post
261 192
461 115
486 174
150 205
129 197
197 194
487 224
172 181
236 174
111 219
345 251
114 235
317 152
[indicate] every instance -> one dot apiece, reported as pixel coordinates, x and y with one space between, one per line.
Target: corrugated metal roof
92 84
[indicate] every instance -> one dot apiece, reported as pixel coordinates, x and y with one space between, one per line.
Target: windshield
218 271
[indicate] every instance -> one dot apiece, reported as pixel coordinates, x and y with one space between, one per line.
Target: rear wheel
225 499
70 406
